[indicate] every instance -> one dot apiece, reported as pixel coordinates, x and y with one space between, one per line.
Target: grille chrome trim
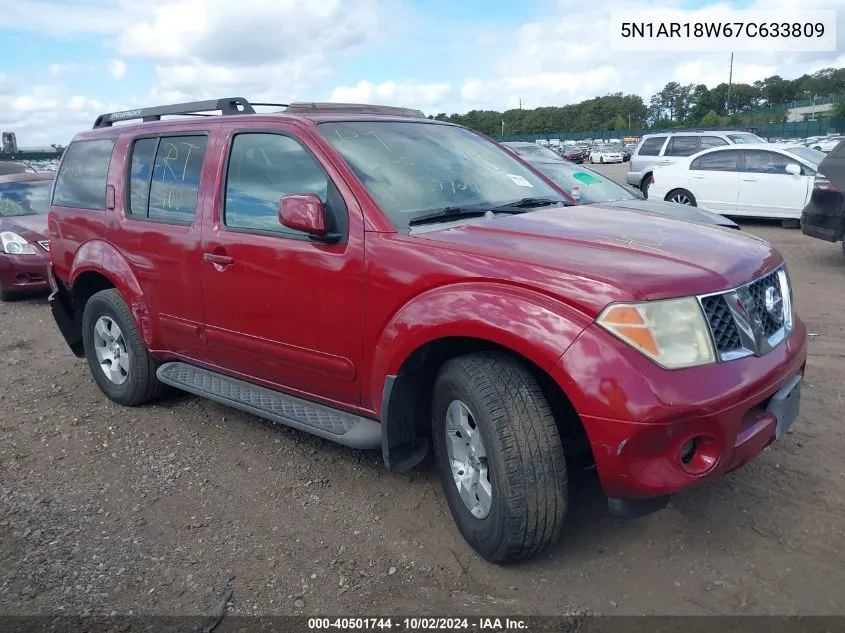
750 329
45 244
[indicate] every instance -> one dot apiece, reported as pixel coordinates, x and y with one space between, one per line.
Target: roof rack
225 106
351 108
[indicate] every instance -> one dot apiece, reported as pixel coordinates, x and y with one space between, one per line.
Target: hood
656 259
31 227
677 211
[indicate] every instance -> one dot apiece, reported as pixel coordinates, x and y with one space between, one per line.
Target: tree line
676 105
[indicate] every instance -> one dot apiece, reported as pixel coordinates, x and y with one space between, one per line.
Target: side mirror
303 212
793 169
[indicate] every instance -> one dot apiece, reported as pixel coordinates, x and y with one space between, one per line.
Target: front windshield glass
24 198
809 154
532 150
415 168
593 186
745 137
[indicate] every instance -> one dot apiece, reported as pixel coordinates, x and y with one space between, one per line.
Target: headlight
14 244
673 333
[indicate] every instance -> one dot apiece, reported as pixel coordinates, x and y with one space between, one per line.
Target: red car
391 282
24 246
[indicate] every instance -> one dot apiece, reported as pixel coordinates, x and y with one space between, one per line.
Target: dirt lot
152 510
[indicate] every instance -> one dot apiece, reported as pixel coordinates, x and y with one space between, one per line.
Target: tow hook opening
699 455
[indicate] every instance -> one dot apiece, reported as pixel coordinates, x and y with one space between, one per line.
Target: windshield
414 168
24 198
745 137
809 154
593 186
533 150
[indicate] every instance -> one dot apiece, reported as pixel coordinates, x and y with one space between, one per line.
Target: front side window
651 146
682 146
81 181
263 168
762 162
717 161
25 198
416 168
164 177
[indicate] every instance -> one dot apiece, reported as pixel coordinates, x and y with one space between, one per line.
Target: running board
330 424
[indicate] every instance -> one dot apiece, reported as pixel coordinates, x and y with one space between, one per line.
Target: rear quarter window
81 181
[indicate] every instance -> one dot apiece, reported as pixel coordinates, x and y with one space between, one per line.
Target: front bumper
24 273
641 418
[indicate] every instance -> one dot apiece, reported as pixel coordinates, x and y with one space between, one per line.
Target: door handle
749 179
220 260
698 177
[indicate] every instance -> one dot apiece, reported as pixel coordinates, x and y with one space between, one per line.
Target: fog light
699 455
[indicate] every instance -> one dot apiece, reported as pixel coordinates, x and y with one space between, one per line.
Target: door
714 180
767 190
280 307
159 235
679 146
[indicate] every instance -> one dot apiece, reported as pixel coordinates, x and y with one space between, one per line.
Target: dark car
824 215
590 187
533 151
574 154
24 247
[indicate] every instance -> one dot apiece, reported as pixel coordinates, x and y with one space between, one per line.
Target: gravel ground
152 510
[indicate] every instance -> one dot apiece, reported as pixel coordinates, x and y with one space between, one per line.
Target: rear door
714 180
157 231
767 190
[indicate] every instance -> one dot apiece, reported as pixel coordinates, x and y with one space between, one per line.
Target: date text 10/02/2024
492 624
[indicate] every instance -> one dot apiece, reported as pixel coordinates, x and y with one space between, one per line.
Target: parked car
574 154
824 215
533 150
605 154
391 282
826 144
591 188
24 247
763 181
659 150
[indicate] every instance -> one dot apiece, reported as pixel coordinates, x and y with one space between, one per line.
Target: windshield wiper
454 213
527 203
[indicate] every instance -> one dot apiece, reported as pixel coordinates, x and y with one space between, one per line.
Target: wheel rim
110 348
681 198
468 460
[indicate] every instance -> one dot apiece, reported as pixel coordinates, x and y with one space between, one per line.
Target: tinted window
533 150
25 198
763 162
717 161
416 168
81 181
262 169
682 146
176 178
651 146
745 137
143 157
809 154
712 141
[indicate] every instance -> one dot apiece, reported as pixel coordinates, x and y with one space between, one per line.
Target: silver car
659 150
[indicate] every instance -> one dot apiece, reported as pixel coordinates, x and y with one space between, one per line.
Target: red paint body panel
332 321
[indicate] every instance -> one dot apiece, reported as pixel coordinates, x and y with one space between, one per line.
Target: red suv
391 282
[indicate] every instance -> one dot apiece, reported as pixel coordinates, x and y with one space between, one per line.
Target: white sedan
761 181
825 145
605 155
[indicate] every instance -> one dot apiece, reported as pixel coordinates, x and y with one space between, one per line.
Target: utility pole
730 81
520 103
629 121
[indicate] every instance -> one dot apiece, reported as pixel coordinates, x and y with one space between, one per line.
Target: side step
330 424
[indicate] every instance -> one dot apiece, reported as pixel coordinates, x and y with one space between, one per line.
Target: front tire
119 362
500 456
681 196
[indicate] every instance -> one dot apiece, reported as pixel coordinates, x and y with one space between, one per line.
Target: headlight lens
673 333
14 244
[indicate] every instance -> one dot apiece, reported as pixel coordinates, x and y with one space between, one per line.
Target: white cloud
117 68
392 93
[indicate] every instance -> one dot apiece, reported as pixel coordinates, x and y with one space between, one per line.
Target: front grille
722 324
751 319
44 244
758 297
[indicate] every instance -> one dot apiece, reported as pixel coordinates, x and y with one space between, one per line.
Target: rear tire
119 362
501 409
681 196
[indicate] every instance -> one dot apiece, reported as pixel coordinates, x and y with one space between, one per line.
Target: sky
64 62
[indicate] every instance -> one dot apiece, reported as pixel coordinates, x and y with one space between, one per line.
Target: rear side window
712 141
717 161
81 181
651 146
682 146
164 177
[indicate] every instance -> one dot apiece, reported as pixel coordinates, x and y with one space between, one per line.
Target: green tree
619 123
711 119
